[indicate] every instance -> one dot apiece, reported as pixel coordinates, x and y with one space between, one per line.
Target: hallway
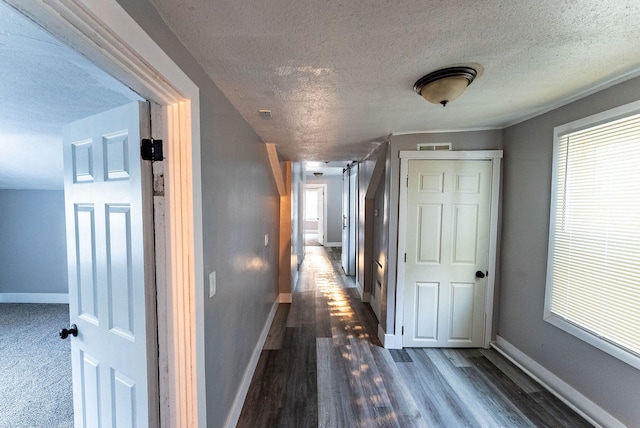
322 365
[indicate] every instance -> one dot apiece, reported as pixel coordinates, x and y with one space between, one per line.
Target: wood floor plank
527 384
333 401
487 409
301 391
265 396
457 357
402 401
400 355
439 405
563 415
303 310
276 332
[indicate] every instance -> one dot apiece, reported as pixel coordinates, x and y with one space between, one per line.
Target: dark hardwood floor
322 365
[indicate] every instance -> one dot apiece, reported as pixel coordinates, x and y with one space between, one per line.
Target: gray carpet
35 367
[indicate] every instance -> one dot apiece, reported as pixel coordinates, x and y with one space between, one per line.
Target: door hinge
151 149
405 257
407 185
402 330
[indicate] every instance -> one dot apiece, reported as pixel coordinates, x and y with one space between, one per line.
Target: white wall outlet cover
212 284
266 239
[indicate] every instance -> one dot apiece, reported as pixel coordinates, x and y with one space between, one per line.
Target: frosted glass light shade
445 85
445 90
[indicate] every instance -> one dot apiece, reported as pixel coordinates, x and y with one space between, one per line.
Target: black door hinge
151 149
402 330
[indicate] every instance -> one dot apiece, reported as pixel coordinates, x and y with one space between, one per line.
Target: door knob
73 330
480 274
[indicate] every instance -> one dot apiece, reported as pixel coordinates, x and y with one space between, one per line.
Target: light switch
212 284
266 239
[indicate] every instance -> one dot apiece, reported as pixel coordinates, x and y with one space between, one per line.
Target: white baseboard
565 392
366 297
333 244
285 298
381 336
34 298
241 395
389 341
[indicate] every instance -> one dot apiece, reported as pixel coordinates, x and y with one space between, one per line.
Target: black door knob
72 330
480 274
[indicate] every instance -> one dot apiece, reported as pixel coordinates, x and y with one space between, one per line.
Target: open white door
109 287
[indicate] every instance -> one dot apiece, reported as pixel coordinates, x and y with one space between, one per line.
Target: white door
353 219
447 252
106 258
345 221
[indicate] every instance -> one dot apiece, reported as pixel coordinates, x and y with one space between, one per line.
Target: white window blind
593 279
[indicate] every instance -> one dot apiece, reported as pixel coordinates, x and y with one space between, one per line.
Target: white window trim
592 339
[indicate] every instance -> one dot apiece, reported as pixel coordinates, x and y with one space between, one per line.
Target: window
593 270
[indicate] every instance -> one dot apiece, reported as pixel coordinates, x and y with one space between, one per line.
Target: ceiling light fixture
445 85
317 174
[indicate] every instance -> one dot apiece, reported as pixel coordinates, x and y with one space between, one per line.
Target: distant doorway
314 214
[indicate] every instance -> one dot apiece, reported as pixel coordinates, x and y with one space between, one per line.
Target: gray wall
334 205
33 250
612 384
240 205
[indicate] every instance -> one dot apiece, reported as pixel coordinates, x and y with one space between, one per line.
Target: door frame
322 186
98 29
495 156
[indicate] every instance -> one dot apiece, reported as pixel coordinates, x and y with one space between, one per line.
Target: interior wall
33 249
297 219
528 152
334 206
370 176
240 205
470 140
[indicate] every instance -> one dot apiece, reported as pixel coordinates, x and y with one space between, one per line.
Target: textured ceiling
338 75
43 86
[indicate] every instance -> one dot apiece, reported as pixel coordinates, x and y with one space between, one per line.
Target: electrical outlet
212 284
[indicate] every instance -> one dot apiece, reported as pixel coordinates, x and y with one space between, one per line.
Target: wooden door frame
103 32
322 186
495 156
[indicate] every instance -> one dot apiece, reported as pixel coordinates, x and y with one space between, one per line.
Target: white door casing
320 196
107 256
440 268
319 193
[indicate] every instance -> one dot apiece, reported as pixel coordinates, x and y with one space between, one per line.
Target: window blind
595 241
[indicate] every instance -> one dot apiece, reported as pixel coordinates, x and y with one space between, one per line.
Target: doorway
315 214
38 100
143 66
447 248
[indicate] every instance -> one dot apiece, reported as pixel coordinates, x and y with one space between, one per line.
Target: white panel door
353 220
447 242
345 221
106 259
